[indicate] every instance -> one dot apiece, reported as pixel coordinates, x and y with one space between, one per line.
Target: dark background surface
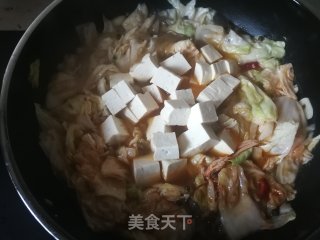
16 222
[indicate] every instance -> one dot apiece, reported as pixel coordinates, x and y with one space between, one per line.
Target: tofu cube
118 77
223 148
113 130
177 64
155 92
203 112
113 101
199 138
142 105
210 53
231 81
226 66
128 114
156 124
125 91
227 144
144 71
217 91
172 170
183 94
146 171
166 80
204 73
164 146
175 112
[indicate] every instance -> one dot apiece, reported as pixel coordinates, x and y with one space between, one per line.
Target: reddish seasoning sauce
250 66
263 189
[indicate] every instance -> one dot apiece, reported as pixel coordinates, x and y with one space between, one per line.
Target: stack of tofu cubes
168 161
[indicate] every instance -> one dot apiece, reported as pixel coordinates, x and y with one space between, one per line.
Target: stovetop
16 222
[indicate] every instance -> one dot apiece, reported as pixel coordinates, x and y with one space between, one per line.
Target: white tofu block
125 91
199 138
173 169
223 148
203 112
217 91
146 171
113 101
228 136
156 124
177 64
144 71
142 105
231 81
210 53
164 146
175 112
307 107
166 80
225 66
183 94
118 77
113 130
128 114
227 144
204 73
155 92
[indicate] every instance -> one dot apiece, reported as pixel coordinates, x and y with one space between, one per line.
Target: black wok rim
21 187
37 211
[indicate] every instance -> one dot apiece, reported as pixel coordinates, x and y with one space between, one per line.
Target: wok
53 34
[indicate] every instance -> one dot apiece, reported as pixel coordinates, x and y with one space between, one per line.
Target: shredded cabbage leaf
242 157
256 106
264 51
186 18
234 44
276 80
282 138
